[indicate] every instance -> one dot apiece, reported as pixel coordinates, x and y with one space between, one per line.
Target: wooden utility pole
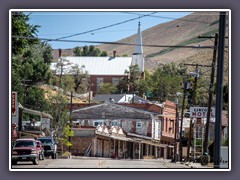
180 138
219 90
69 137
205 142
193 103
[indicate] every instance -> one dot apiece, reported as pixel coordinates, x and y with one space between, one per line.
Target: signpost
201 112
14 103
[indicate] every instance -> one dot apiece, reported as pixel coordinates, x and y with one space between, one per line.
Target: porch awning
38 113
154 144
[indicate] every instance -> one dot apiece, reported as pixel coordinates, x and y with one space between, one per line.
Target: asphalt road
100 163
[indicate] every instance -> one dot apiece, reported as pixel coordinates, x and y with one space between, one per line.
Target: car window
46 141
24 144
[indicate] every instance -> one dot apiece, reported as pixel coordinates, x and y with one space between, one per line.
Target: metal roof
97 65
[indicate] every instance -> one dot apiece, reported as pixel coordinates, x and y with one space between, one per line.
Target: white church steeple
138 48
137 56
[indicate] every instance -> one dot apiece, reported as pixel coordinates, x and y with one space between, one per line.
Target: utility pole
176 132
69 137
183 104
219 89
193 103
205 143
25 89
191 119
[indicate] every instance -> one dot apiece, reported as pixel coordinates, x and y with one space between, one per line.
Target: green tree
77 51
80 78
67 83
21 27
107 88
57 104
104 54
165 81
30 61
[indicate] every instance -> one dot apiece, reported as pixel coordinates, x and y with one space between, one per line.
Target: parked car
25 150
40 150
50 146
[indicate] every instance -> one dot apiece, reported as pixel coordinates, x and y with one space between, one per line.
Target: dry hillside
183 31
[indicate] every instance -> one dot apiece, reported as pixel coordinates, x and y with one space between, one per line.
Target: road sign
201 112
14 103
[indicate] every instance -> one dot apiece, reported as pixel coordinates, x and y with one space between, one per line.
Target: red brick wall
169 118
80 144
147 107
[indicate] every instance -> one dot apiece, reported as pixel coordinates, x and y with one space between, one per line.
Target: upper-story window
115 81
114 123
99 81
98 122
139 124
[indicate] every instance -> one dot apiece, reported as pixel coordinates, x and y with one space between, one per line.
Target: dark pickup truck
50 146
25 150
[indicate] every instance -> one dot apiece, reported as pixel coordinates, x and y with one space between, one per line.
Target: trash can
205 159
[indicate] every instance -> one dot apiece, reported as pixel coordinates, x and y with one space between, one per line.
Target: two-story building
140 131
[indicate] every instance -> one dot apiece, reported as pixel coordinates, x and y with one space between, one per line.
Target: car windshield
24 144
45 141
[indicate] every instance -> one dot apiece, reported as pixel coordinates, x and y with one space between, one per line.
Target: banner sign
14 103
201 112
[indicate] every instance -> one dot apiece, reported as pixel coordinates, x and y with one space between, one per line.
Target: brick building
103 69
146 128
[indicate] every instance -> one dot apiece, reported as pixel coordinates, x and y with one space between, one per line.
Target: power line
77 34
117 43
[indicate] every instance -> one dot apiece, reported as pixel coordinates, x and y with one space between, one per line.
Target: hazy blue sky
59 24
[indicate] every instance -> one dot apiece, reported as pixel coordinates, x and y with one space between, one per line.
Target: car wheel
43 157
54 156
36 161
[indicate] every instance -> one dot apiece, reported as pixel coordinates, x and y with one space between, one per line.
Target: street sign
14 103
201 112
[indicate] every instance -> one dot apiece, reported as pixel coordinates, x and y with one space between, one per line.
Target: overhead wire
104 27
116 43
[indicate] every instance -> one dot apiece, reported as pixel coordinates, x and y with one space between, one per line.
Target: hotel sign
201 112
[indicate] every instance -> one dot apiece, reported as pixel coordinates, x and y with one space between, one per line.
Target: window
114 123
139 124
99 81
98 122
115 81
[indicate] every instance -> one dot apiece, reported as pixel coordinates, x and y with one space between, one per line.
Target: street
93 163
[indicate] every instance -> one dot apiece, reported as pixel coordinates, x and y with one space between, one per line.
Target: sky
122 24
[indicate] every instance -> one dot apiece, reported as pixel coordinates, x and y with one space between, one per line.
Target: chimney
114 54
59 52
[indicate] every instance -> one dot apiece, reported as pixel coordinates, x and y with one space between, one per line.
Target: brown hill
183 31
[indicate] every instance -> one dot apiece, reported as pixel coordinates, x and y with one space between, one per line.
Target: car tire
36 161
54 156
43 157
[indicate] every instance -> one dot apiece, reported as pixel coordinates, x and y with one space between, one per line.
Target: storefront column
123 149
147 149
109 148
139 150
165 153
114 144
156 152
